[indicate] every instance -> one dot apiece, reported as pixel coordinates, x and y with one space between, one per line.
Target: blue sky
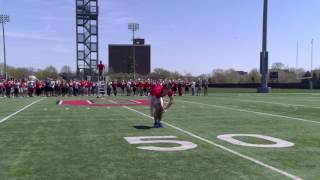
194 36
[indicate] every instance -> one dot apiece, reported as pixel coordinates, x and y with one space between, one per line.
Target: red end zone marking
141 102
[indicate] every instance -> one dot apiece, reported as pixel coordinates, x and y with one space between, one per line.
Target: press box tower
87 12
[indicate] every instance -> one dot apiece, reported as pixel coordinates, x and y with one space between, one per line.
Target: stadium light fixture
133 27
3 20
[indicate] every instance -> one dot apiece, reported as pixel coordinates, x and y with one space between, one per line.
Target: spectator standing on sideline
114 87
187 87
1 88
180 88
123 85
16 88
205 85
198 87
101 70
193 88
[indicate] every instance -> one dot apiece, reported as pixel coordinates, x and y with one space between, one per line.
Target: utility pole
3 20
297 56
264 67
311 66
311 60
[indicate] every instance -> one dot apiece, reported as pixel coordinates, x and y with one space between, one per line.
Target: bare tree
66 70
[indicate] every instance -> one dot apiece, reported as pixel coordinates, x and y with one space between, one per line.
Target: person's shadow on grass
143 127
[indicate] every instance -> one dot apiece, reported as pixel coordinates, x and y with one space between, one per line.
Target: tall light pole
297 56
3 20
311 66
264 67
133 27
311 60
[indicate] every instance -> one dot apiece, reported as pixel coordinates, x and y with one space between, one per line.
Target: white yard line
254 112
291 176
24 108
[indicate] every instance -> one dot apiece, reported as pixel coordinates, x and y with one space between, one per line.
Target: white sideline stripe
268 102
137 102
284 104
113 102
224 148
254 112
13 114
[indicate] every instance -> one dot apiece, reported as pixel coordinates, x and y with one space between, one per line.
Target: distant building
242 73
121 58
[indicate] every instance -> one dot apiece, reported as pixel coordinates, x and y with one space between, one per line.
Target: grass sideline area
254 90
49 141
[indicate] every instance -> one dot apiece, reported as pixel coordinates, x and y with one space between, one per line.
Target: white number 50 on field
183 145
186 145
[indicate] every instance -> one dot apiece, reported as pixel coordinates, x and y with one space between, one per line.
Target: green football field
40 139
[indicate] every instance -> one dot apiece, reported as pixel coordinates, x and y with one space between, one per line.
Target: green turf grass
254 90
47 141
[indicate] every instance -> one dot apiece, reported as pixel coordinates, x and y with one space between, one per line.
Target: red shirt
9 84
83 83
152 88
158 91
89 84
114 85
141 85
38 85
123 85
100 67
23 84
147 85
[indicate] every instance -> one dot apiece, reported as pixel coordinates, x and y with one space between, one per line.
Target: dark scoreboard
121 59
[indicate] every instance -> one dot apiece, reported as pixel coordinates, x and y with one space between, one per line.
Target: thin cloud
54 18
118 17
62 50
123 20
41 37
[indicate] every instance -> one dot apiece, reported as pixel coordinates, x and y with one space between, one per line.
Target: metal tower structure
87 12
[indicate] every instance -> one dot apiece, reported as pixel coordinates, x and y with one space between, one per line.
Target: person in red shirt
2 88
83 87
101 70
180 88
141 87
8 86
159 106
38 87
89 87
134 87
114 87
147 87
123 85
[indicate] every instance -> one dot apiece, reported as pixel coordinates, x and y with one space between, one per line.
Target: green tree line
285 74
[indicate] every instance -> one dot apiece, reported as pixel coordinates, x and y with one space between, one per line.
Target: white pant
154 102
